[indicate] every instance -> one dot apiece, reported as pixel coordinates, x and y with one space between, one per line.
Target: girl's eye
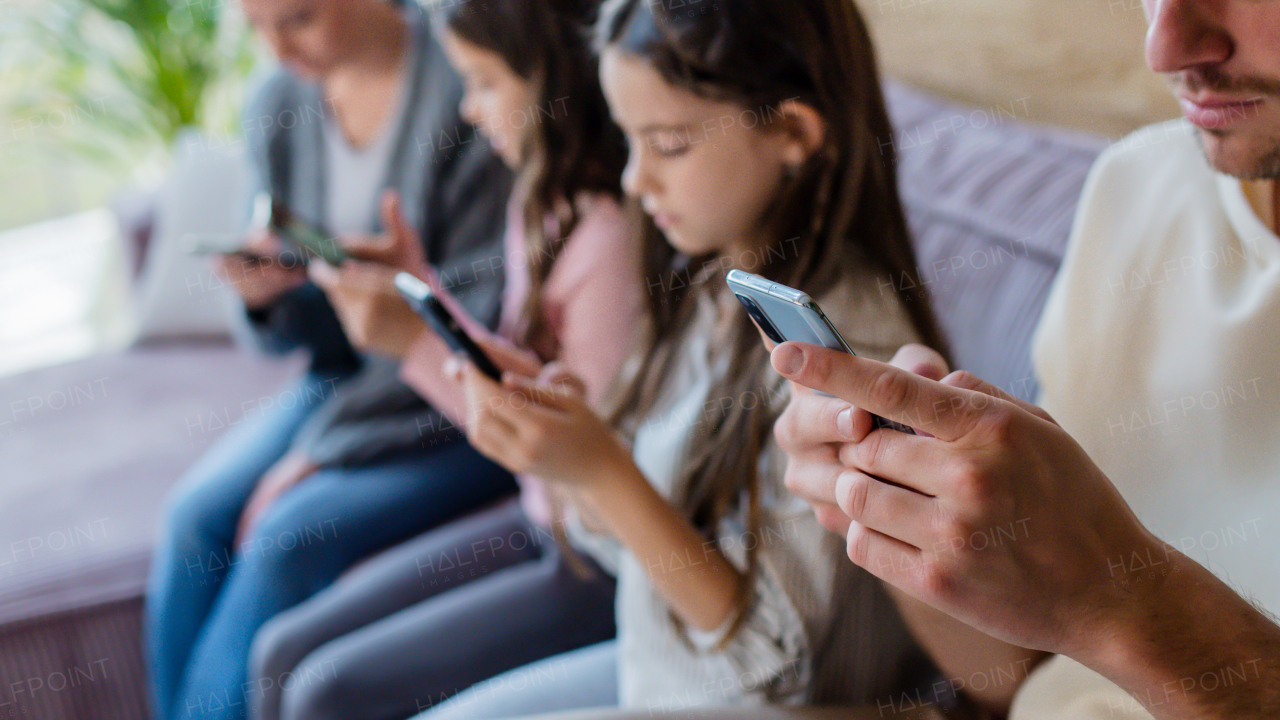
300 20
671 143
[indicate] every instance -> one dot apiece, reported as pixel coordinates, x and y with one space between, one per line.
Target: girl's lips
1212 114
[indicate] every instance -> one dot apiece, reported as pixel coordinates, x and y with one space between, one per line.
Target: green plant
121 78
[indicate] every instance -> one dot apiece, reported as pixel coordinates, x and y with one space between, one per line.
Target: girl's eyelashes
668 143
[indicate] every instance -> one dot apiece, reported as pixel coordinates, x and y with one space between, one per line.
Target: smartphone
230 245
273 214
785 314
419 296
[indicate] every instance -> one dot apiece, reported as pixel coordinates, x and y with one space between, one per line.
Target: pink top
592 301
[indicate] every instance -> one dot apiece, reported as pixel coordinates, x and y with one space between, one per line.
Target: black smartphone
419 296
784 314
272 213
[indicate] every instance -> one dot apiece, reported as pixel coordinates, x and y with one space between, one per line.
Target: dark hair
570 146
839 212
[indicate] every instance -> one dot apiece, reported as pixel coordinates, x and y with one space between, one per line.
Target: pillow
1074 64
990 202
177 295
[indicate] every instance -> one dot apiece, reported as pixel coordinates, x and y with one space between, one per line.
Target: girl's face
495 98
705 170
308 36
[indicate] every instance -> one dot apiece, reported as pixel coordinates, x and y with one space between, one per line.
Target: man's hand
255 275
999 519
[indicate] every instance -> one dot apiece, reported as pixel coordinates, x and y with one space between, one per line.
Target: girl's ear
805 130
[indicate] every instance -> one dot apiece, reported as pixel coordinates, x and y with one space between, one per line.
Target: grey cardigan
454 190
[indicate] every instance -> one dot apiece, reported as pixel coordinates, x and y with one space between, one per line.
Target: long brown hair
570 146
841 210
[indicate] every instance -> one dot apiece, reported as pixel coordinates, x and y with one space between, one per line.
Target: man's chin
1241 156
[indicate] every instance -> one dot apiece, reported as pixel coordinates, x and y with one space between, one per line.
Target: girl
753 129
460 604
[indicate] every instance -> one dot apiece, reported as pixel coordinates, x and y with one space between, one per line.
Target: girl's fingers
452 368
323 274
483 397
557 397
966 380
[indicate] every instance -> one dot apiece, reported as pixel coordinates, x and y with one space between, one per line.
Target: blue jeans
207 598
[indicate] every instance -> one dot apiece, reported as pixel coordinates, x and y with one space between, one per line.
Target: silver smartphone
785 314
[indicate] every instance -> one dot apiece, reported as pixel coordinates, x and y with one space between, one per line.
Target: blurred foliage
115 81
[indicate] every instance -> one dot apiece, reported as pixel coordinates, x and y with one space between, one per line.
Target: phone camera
762 320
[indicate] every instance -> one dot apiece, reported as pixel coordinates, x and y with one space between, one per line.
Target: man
1157 351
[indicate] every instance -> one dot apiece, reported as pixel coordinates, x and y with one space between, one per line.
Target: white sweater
821 629
1159 351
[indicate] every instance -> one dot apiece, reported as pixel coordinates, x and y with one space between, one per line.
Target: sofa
990 199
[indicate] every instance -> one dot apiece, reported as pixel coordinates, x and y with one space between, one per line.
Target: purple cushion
990 200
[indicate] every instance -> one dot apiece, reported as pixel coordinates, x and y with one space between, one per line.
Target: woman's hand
541 426
255 274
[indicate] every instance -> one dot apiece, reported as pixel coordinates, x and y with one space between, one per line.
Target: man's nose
1185 34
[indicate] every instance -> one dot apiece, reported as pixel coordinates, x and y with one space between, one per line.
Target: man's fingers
812 419
921 360
968 381
832 518
893 511
912 461
942 411
889 559
814 478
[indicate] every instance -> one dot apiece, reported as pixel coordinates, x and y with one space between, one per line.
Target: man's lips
1215 112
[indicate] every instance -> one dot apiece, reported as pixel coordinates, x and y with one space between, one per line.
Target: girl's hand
373 315
540 427
506 356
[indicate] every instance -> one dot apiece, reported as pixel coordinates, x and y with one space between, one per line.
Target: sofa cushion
90 449
990 200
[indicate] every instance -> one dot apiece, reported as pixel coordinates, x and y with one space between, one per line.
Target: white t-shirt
1159 351
354 175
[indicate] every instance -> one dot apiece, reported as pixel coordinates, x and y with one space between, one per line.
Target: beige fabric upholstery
1074 63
